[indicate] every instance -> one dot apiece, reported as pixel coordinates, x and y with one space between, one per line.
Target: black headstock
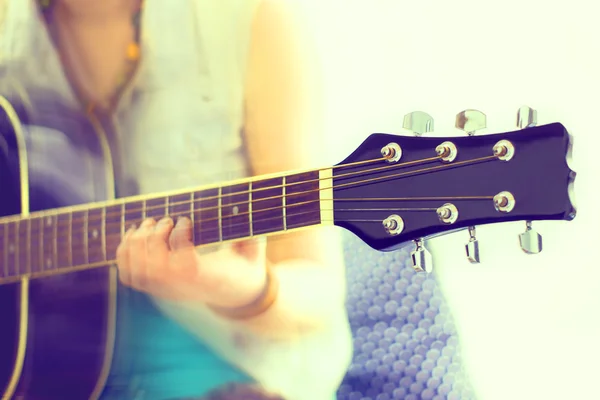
393 189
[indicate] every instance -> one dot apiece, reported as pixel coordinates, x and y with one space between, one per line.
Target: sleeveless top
185 102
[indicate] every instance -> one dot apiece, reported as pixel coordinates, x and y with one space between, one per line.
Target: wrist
261 300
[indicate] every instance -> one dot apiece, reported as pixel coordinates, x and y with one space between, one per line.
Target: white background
529 325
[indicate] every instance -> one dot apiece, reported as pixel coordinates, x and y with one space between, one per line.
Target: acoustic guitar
60 224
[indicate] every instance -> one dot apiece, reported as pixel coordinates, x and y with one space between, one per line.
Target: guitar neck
87 236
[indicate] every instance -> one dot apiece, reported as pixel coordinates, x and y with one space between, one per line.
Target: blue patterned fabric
405 342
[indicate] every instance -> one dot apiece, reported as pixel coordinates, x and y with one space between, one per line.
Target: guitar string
15 274
318 200
125 201
255 201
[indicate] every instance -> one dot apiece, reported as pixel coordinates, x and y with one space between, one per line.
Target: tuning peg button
421 258
530 240
526 117
472 248
471 121
418 122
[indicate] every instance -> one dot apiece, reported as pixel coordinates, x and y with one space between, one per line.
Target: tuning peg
530 240
526 117
470 121
421 258
418 122
472 247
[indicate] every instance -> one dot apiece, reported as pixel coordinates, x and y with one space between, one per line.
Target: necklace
132 56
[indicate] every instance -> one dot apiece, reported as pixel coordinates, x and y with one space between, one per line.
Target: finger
253 250
157 255
123 258
183 258
138 253
181 236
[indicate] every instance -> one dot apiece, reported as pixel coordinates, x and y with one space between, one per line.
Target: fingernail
148 222
183 222
129 232
164 222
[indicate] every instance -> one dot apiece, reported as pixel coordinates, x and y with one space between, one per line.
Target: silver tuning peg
526 117
421 258
472 247
418 122
470 121
530 240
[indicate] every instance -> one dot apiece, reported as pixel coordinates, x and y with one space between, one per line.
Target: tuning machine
471 121
530 240
421 258
418 122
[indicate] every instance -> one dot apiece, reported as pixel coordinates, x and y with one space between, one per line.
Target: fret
79 235
283 202
143 210
12 249
182 205
220 213
95 236
250 209
156 208
134 214
49 257
3 250
267 202
207 224
113 227
302 200
24 250
191 214
235 212
64 240
35 244
12 261
103 233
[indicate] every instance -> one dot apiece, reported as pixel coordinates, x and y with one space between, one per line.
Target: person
200 92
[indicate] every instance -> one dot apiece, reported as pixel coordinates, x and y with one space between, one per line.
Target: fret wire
220 192
54 240
250 208
122 220
192 218
41 244
86 234
70 238
28 244
5 239
283 203
17 247
103 234
166 206
144 212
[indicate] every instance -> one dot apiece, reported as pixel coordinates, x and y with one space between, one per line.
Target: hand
160 259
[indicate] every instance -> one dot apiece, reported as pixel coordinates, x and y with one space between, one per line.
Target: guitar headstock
394 189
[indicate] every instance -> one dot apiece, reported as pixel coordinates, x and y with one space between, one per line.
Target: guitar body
58 331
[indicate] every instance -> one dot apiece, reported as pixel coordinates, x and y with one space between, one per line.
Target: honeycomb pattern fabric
405 342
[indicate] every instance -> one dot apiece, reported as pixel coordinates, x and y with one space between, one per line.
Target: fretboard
80 237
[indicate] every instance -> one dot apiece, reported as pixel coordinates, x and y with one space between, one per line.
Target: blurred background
514 326
522 327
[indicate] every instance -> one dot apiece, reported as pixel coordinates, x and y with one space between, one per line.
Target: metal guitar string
398 175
